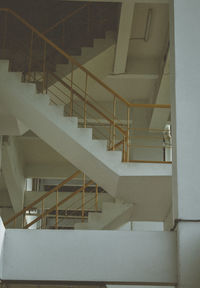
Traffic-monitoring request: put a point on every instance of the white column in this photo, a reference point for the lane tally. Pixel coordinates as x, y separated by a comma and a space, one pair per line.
126, 19
185, 54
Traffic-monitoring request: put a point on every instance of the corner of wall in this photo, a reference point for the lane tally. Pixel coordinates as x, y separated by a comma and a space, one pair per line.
2, 237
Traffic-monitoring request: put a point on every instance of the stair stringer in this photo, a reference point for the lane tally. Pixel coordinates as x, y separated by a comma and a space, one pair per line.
76, 145
48, 122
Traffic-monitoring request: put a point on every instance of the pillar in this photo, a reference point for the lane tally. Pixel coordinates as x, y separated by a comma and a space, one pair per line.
185, 95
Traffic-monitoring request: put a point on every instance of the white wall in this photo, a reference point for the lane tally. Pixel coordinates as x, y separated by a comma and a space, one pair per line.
186, 138
90, 256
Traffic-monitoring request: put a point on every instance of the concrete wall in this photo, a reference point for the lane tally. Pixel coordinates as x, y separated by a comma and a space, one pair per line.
90, 256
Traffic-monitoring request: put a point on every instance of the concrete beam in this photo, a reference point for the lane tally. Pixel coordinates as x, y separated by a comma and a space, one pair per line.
126, 19
12, 167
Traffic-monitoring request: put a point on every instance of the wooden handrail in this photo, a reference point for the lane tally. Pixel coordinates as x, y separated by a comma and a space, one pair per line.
150, 162
162, 106
42, 197
59, 203
88, 103
66, 18
76, 63
66, 55
116, 145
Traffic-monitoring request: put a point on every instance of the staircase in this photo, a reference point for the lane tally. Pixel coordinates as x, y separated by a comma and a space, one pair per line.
58, 210
113, 216
110, 169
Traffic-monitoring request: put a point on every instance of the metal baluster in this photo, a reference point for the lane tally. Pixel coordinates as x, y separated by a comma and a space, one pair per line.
71, 95
42, 220
128, 134
96, 198
56, 210
83, 198
44, 67
85, 102
114, 130
5, 29
30, 57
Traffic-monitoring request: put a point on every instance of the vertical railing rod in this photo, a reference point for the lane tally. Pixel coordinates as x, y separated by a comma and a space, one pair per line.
110, 137
56, 210
128, 134
42, 220
114, 119
83, 198
30, 57
44, 68
88, 28
63, 35
85, 101
124, 149
96, 198
5, 30
23, 220
71, 94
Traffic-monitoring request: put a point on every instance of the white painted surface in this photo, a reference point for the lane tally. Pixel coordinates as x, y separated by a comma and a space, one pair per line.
95, 255
187, 102
76, 144
125, 25
9, 125
186, 136
188, 251
2, 236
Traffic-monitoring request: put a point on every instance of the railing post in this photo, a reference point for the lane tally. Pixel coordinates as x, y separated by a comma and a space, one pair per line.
124, 149
85, 102
56, 210
5, 30
96, 198
63, 35
42, 220
30, 57
44, 88
71, 94
114, 130
110, 137
23, 220
128, 134
83, 199
47, 81
88, 28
